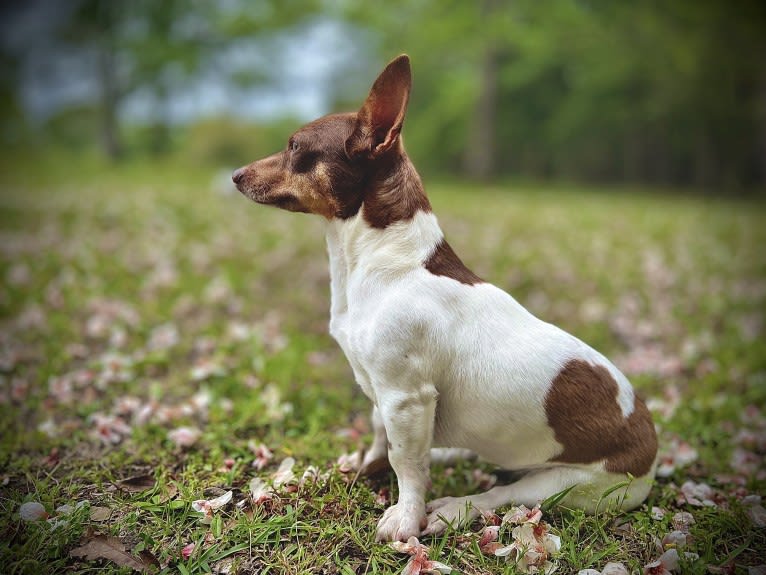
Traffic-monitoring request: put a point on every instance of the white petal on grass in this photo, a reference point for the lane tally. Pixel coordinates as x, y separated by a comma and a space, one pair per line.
521, 514
260, 491
32, 511
683, 520
551, 542
757, 515
284, 474
436, 567
698, 494
410, 547
184, 436
677, 539
615, 568
210, 506
349, 462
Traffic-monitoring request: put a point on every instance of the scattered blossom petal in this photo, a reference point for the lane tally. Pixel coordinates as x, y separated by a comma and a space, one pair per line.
32, 511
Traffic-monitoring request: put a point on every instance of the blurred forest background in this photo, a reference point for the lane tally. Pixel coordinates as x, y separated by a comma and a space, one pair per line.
652, 92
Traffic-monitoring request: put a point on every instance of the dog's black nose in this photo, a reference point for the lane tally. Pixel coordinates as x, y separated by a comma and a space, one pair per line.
237, 176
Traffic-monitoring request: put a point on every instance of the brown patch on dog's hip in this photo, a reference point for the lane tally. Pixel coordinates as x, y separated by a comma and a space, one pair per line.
583, 411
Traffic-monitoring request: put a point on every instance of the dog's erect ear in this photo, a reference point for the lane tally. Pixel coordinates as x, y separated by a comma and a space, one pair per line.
380, 119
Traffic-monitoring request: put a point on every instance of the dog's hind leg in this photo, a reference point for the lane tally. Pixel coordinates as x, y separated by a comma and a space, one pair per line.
589, 487
448, 455
375, 459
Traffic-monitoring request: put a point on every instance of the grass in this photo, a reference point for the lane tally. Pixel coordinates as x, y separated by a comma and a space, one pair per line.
141, 296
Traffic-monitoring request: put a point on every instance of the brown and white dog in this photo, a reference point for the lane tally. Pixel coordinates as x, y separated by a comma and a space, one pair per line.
448, 359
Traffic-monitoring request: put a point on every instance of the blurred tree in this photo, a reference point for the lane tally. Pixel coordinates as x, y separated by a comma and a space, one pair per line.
94, 26
667, 93
153, 48
12, 124
653, 91
166, 43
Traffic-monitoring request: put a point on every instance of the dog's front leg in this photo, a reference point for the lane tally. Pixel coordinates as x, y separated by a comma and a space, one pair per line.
408, 416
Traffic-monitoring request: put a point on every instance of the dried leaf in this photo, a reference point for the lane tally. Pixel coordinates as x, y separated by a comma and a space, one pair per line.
113, 549
170, 492
100, 513
137, 483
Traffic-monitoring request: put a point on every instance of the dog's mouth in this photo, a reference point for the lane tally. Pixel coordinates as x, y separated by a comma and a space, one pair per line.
264, 196
259, 194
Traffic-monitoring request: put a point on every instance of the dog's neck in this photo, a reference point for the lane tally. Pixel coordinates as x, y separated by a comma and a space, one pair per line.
393, 234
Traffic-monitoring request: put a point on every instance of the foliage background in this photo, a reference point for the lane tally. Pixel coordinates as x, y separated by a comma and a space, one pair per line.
655, 92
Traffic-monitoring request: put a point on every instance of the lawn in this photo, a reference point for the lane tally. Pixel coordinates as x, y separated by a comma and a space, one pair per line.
164, 342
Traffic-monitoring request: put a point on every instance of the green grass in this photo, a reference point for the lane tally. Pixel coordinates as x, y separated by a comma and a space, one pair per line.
94, 260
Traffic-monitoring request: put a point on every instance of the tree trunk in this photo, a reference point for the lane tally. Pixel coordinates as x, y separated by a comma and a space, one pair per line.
705, 163
159, 143
480, 156
110, 137
761, 146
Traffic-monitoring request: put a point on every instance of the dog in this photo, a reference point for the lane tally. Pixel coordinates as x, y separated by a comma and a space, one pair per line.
448, 359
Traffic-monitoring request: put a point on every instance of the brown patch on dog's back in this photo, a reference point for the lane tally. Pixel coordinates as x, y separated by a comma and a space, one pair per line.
445, 262
582, 409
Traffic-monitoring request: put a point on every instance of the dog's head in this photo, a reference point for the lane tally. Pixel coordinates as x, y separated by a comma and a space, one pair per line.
324, 168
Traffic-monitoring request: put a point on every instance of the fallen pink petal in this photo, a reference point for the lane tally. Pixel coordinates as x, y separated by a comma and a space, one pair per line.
682, 521
205, 369
677, 539
488, 542
184, 436
757, 515
109, 429
260, 491
349, 462
667, 563
262, 454
532, 544
746, 462
520, 515
419, 561
698, 494
676, 454
284, 474
411, 546
187, 550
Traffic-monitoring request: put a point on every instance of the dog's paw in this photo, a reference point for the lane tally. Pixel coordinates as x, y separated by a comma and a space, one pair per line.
448, 511
350, 462
367, 464
400, 522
